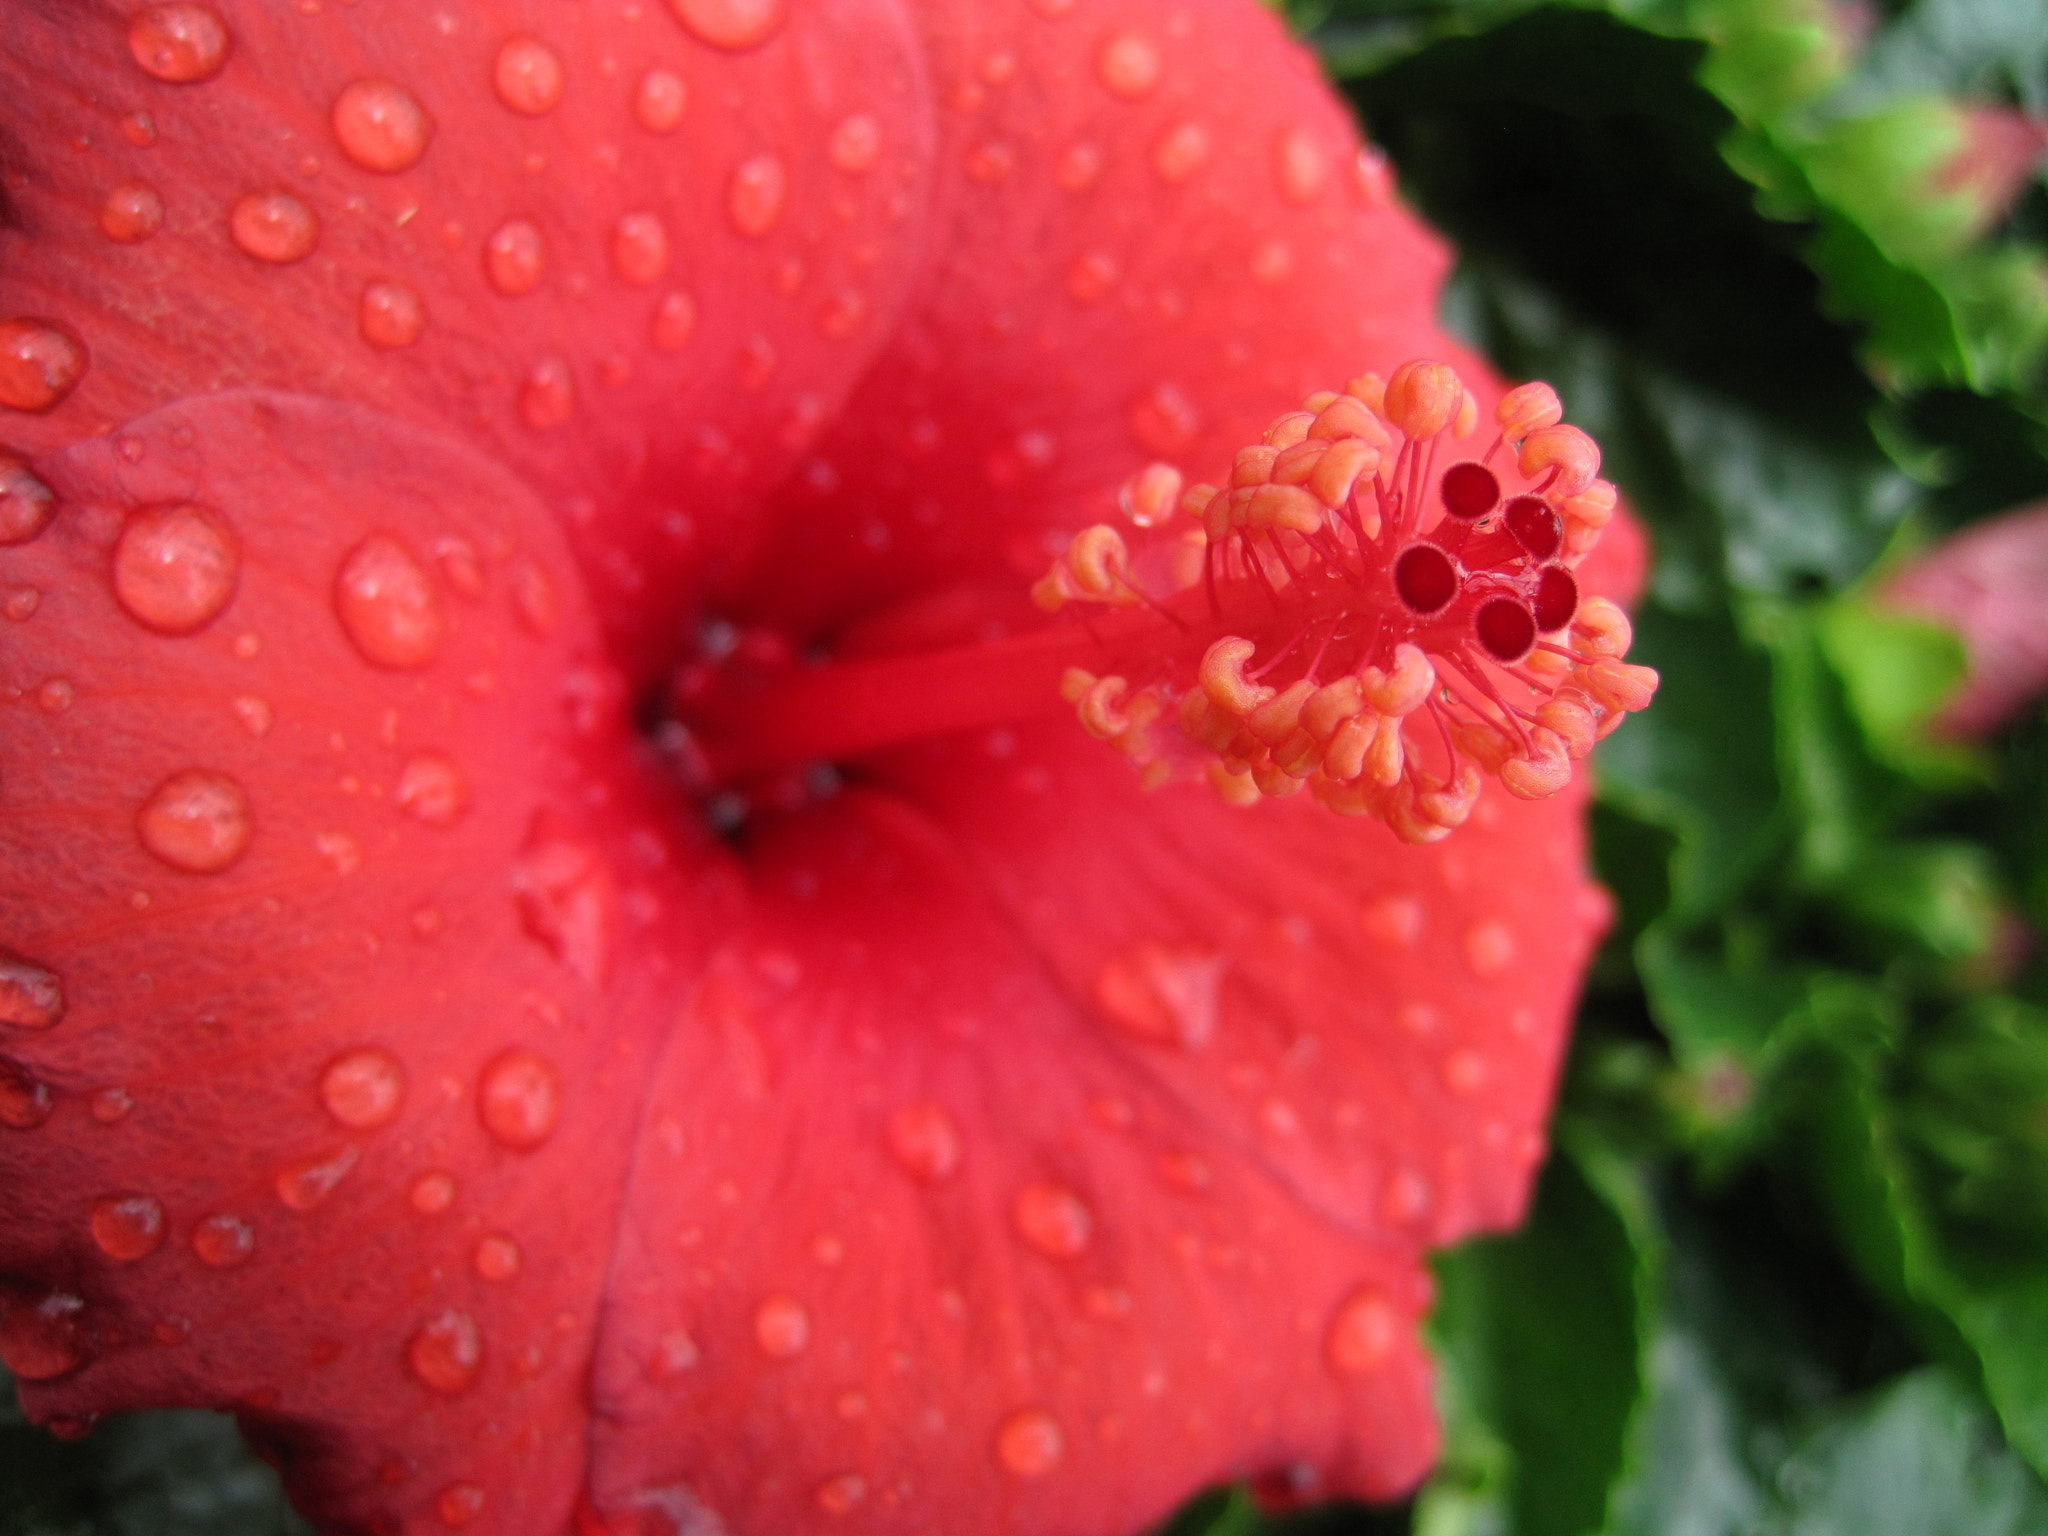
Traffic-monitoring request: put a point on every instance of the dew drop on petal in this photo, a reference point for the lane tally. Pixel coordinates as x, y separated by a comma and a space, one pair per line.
754, 196
843, 1494
363, 1090
132, 213
198, 821
1030, 1443
41, 1343
1129, 66
175, 567
1362, 1334
254, 713
178, 44
519, 1099
1053, 1219
527, 76
1163, 995
1464, 1071
782, 1327
547, 397
390, 316
432, 1193
730, 24
496, 1257
388, 605
25, 1103
223, 1241
856, 144
1489, 949
432, 789
127, 1227
381, 126
534, 602
26, 504
640, 251
110, 1106
1301, 166
40, 363
55, 696
305, 1184
515, 256
30, 996
274, 226
1181, 152
925, 1142
446, 1353
675, 320
674, 1353
459, 1504
1395, 921
661, 101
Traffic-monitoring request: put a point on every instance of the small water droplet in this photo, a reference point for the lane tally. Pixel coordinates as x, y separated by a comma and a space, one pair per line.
782, 1327
26, 504
388, 605
674, 1353
25, 1103
1053, 1219
1129, 66
140, 129
363, 1090
447, 1352
127, 1227
381, 126
178, 44
1489, 949
110, 1106
1464, 1071
132, 213
675, 319
175, 567
534, 602
519, 1099
1181, 152
30, 997
515, 257
856, 144
432, 789
55, 696
21, 603
254, 713
547, 397
640, 253
459, 1504
1091, 276
1163, 995
925, 1141
661, 101
1362, 1334
274, 226
527, 76
496, 1258
1078, 168
223, 1241
41, 1342
1395, 921
198, 821
40, 363
1301, 166
306, 1183
390, 316
730, 24
1030, 1443
842, 1495
432, 1193
1272, 263
755, 195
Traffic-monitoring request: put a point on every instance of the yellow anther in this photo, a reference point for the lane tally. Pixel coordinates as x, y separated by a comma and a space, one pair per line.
1575, 457
1148, 497
1371, 389
1406, 819
1618, 685
1284, 506
1526, 408
1298, 755
1401, 691
1232, 788
1074, 682
1423, 397
1156, 774
1290, 429
1594, 506
1253, 464
1054, 590
1542, 772
1601, 628
1296, 464
1467, 421
1347, 416
1570, 714
1223, 676
1338, 470
1346, 799
1196, 498
1345, 759
1205, 722
1274, 781
1448, 805
1100, 716
1485, 742
1546, 664
1185, 557
1330, 706
1276, 719
1386, 756
1101, 564
1319, 401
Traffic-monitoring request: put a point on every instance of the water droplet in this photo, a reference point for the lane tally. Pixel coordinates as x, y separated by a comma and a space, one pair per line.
198, 821
754, 197
21, 603
55, 696
432, 789
388, 605
254, 713
459, 1504
730, 24
223, 1241
274, 227
132, 213
534, 602
1300, 165
1129, 66
640, 251
1078, 167
381, 126
527, 76
432, 1193
856, 144
1030, 1443
1489, 949
675, 318
446, 1353
390, 316
140, 129
304, 1184
26, 504
1395, 921
175, 567
127, 1227
40, 363
674, 1353
1181, 152
519, 1099
41, 1343
661, 101
515, 257
30, 997
179, 44
1163, 995
1362, 1334
1053, 1219
25, 1103
547, 398
496, 1257
1091, 276
925, 1141
565, 895
991, 163
782, 1327
363, 1090
1272, 263
110, 1106
842, 1495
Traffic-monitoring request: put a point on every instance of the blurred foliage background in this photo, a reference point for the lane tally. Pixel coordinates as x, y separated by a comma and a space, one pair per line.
1788, 1270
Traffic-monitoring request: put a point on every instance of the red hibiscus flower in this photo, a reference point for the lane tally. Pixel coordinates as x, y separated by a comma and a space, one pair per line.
465, 460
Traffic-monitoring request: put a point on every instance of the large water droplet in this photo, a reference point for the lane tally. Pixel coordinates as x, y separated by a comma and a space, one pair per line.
127, 1227
856, 144
40, 363
675, 320
180, 44
519, 1099
274, 226
175, 567
782, 1327
640, 251
1362, 1334
1128, 65
433, 790
925, 1141
223, 1241
459, 1504
1030, 1443
1301, 165
30, 996
25, 1103
447, 1352
515, 257
132, 213
26, 504
381, 126
198, 821
755, 195
390, 316
731, 24
42, 1342
388, 605
1053, 1219
56, 695
363, 1090
306, 1183
661, 101
1181, 152
1163, 995
527, 76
